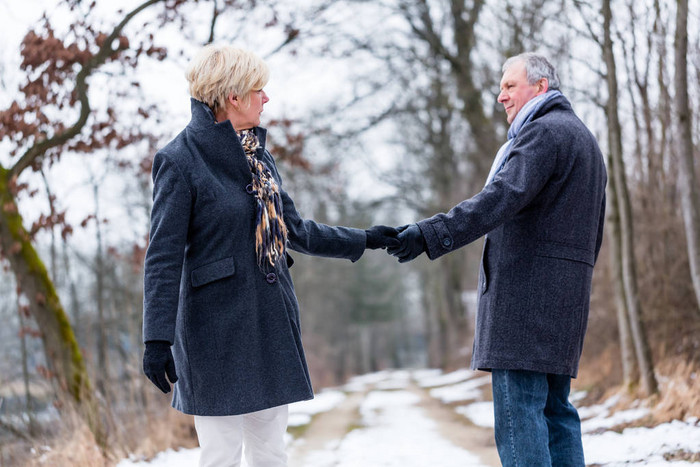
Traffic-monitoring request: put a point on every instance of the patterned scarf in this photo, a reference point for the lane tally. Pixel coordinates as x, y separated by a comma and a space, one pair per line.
270, 231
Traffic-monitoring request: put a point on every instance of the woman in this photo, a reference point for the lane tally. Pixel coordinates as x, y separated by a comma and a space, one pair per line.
217, 285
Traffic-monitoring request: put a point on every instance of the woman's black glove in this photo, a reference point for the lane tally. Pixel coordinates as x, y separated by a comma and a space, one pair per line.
157, 363
381, 236
412, 243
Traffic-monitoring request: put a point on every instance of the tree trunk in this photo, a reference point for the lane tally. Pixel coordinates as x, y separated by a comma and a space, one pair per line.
629, 273
433, 338
458, 332
481, 125
685, 149
630, 371
62, 352
102, 372
29, 403
52, 214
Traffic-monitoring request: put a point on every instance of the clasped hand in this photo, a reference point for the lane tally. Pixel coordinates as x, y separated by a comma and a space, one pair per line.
405, 242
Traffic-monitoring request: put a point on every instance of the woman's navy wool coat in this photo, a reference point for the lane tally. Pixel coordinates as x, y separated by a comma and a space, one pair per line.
234, 328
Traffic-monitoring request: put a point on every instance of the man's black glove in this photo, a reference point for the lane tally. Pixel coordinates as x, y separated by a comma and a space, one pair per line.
412, 243
158, 362
381, 236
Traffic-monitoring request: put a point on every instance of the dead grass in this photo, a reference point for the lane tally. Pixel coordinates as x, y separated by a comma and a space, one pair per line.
75, 447
679, 388
599, 375
72, 445
172, 430
679, 398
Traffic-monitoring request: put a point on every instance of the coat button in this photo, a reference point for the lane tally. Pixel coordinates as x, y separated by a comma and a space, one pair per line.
447, 242
249, 189
271, 278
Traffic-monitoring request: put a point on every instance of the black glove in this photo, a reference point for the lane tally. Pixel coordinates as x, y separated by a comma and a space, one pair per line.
412, 243
381, 236
158, 362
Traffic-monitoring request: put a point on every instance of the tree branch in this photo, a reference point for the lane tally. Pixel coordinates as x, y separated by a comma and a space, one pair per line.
105, 51
214, 17
427, 32
579, 4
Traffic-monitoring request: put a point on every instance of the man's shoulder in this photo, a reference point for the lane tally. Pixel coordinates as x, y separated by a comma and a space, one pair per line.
560, 123
558, 116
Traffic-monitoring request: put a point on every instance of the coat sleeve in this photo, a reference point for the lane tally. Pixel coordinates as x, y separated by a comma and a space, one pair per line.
529, 166
170, 215
313, 238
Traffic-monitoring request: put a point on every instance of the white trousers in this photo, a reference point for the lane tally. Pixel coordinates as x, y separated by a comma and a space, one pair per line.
259, 434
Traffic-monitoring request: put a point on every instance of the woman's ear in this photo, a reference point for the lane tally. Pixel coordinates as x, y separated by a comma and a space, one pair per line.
233, 101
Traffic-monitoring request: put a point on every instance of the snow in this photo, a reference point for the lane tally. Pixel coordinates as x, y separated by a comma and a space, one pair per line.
623, 416
394, 430
397, 434
479, 413
643, 446
468, 390
600, 409
438, 379
300, 413
397, 380
361, 383
169, 458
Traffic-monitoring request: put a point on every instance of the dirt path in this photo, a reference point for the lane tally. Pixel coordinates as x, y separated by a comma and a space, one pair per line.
328, 429
459, 430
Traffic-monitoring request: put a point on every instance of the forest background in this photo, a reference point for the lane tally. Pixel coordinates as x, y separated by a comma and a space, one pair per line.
381, 112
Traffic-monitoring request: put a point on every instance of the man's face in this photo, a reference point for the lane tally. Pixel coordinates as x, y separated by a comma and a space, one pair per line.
516, 91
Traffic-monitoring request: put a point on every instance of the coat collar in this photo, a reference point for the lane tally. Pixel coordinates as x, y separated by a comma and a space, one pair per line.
203, 119
558, 103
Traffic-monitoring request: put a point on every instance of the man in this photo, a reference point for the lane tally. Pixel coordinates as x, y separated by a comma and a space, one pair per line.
543, 208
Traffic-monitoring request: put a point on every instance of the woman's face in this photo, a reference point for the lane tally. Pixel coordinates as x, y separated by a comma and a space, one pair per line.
248, 117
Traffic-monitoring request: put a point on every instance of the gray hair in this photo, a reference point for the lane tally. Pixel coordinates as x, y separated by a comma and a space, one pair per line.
536, 67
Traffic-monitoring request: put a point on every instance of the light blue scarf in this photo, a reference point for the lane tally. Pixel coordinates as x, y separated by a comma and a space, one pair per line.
524, 117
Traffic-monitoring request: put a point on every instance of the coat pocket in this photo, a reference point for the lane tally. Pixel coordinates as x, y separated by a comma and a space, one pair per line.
212, 272
564, 251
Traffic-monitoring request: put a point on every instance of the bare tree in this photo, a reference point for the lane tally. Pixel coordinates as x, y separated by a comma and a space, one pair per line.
630, 369
690, 203
27, 125
622, 198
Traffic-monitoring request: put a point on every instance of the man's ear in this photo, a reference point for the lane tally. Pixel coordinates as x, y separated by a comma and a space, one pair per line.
542, 86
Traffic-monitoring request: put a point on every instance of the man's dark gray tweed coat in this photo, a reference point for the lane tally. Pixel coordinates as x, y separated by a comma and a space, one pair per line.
235, 330
543, 213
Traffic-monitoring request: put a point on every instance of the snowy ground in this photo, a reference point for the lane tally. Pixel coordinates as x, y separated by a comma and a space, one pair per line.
396, 432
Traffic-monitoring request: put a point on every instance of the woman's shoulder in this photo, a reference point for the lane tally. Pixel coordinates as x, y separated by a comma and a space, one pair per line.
176, 150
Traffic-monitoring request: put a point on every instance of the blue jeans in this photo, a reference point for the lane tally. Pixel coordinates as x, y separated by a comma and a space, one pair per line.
536, 425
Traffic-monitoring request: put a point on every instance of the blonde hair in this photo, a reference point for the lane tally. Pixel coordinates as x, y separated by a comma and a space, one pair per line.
219, 70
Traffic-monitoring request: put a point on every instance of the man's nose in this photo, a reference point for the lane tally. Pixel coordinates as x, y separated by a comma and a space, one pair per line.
501, 97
